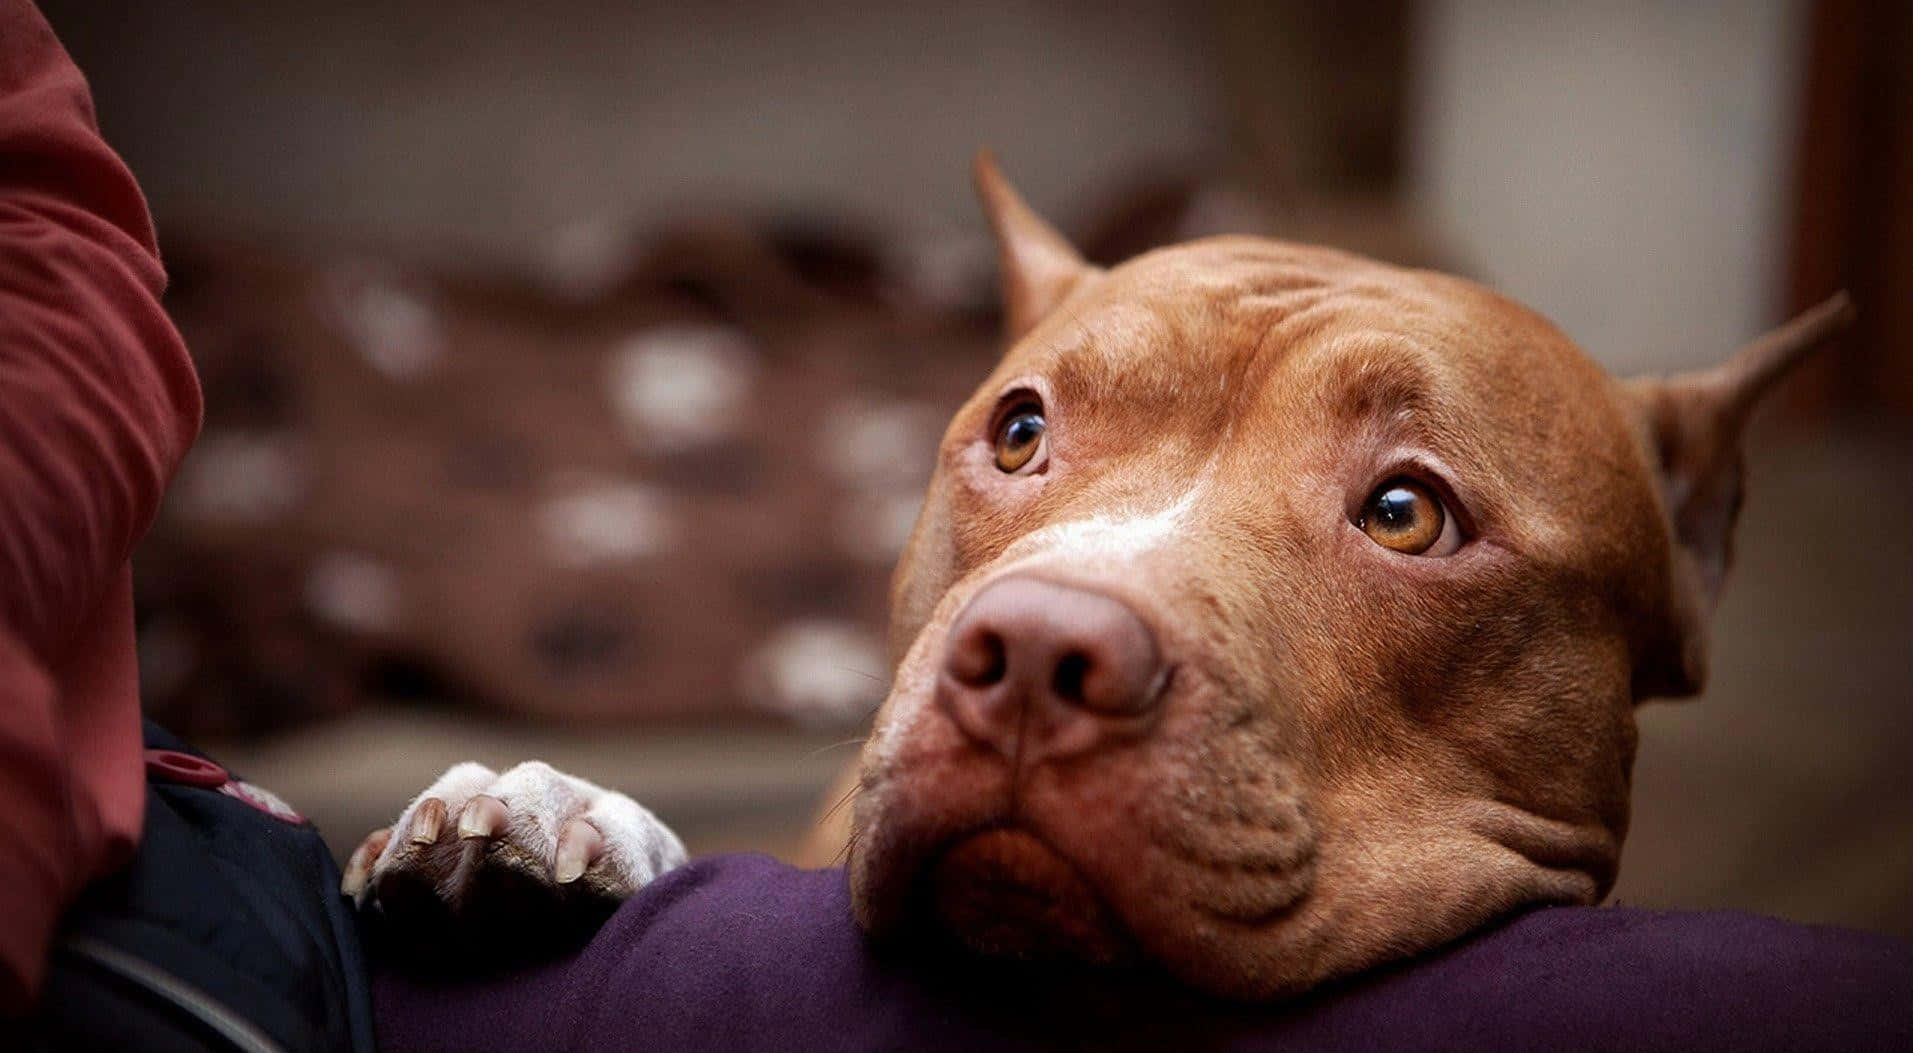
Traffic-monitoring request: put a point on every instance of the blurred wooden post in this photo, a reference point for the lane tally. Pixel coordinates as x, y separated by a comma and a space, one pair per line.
1316, 94
1853, 203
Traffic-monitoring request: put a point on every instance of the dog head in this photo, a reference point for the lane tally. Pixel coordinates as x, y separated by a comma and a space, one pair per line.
1274, 613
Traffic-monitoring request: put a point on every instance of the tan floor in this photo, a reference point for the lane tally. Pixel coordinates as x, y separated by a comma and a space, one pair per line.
1786, 789
721, 789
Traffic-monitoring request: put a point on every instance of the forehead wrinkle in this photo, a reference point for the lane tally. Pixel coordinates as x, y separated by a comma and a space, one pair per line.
1162, 301
1130, 354
1303, 319
1385, 384
1370, 383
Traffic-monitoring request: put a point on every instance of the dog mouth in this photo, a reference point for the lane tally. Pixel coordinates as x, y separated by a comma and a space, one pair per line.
1004, 892
1181, 851
1128, 878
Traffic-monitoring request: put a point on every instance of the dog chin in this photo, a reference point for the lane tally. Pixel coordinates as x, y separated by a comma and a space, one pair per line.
1005, 893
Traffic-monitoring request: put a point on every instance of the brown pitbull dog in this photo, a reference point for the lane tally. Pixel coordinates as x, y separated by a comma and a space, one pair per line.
1274, 613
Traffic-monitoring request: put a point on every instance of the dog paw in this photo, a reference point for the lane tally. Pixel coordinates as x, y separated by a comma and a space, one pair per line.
484, 868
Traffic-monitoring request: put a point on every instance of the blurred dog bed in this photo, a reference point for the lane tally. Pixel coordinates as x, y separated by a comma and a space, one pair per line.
563, 502
650, 476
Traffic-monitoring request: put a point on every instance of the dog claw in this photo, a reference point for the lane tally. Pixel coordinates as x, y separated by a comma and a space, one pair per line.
358, 869
579, 845
482, 818
428, 822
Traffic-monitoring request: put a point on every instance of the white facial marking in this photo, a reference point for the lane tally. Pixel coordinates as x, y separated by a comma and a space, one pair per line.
1103, 538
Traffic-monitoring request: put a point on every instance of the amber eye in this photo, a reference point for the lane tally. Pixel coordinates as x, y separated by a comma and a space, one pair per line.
1019, 436
1405, 516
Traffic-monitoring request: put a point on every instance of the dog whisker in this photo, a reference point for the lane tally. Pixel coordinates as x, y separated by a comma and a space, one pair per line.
841, 801
834, 746
872, 677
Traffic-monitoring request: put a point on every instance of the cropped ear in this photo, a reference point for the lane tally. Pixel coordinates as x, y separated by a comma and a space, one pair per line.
1696, 421
1038, 266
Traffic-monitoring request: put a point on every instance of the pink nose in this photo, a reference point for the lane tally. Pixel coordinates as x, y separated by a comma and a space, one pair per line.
1038, 670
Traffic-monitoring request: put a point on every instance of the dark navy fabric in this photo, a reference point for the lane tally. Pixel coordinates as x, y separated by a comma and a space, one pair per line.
744, 953
241, 906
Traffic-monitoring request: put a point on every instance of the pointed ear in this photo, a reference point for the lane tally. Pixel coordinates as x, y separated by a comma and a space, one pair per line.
1038, 267
1695, 421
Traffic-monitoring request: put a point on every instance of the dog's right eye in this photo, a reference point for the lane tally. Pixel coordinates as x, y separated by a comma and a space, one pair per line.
1019, 437
1406, 516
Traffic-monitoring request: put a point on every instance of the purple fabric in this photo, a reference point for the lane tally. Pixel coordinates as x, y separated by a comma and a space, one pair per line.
744, 953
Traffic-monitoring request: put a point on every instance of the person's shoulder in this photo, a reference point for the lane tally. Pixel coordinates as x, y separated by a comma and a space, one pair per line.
752, 924
748, 890
1615, 977
1716, 943
745, 952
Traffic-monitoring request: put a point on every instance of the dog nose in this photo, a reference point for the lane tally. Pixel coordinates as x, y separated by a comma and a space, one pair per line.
1039, 670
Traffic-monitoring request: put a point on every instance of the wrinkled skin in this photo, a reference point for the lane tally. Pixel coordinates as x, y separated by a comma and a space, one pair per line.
1360, 754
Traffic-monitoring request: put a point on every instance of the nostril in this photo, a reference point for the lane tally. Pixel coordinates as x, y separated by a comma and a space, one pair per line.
1071, 672
1023, 641
980, 660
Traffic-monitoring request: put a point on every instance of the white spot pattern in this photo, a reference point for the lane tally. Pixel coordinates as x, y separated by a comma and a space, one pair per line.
681, 385
354, 591
818, 672
238, 479
605, 521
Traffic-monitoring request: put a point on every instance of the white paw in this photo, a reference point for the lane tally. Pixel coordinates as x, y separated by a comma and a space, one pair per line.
499, 865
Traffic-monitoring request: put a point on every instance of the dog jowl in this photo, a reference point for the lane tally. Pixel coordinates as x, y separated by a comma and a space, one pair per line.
1273, 613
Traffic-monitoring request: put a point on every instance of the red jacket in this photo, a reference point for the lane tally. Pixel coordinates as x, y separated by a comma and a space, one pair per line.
98, 402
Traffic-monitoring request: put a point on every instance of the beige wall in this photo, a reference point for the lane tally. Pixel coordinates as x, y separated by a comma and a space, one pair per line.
1622, 166
483, 126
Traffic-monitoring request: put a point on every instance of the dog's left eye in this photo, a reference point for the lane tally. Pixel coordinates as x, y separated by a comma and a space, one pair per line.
1019, 436
1406, 516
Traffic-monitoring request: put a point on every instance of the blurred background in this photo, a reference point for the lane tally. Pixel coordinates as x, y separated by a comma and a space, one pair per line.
573, 368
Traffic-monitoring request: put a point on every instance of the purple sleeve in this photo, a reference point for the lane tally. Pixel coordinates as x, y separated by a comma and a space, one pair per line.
743, 953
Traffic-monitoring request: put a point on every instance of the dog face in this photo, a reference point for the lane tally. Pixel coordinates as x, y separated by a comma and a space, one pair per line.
1274, 613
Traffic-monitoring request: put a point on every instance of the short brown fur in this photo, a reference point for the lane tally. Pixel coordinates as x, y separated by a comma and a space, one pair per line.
1362, 754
